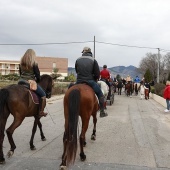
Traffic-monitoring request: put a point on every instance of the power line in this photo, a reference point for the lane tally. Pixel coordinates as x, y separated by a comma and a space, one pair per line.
125, 45
164, 50
49, 43
81, 42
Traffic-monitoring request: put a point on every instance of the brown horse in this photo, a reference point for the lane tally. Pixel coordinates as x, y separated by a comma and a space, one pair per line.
128, 89
146, 94
16, 99
79, 100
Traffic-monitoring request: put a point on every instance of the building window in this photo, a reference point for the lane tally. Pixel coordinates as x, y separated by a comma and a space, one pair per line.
16, 66
7, 66
54, 65
3, 66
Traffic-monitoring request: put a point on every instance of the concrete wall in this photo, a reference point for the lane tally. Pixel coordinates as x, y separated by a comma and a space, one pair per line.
159, 99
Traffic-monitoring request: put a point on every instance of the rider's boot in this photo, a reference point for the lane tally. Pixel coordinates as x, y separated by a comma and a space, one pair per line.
101, 104
42, 106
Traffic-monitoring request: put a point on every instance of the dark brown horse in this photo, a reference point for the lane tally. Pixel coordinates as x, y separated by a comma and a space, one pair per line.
128, 89
79, 100
16, 99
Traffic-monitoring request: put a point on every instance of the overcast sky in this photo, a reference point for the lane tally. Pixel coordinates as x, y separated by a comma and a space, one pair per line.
141, 23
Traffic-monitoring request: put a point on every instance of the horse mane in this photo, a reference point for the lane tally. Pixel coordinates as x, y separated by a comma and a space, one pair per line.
44, 76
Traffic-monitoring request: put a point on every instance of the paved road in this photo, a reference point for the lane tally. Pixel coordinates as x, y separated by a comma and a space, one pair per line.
134, 136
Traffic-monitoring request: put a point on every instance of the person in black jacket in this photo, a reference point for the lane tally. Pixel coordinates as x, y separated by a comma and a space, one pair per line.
147, 86
87, 70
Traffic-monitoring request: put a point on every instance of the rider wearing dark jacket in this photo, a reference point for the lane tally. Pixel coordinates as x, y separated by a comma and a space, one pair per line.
87, 70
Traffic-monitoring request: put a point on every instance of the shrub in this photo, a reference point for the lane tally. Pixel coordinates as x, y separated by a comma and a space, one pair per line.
59, 88
159, 89
152, 89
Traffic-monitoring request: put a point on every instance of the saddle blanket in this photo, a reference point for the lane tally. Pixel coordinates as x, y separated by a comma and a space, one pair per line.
34, 97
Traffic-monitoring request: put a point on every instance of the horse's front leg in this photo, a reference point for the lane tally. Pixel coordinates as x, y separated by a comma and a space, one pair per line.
10, 132
41, 132
34, 129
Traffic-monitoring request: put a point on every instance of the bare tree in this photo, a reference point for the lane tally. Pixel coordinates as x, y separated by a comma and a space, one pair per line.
149, 62
167, 61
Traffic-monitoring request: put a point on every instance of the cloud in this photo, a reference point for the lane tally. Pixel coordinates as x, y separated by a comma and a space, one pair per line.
143, 23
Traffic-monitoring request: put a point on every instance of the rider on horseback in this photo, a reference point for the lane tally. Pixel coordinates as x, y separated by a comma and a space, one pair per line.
87, 70
29, 72
105, 76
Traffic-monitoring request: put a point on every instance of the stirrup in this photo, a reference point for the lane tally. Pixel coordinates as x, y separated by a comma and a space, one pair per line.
43, 114
103, 114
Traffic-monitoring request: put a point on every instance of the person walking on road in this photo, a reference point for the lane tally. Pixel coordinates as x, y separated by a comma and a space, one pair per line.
167, 95
142, 90
87, 70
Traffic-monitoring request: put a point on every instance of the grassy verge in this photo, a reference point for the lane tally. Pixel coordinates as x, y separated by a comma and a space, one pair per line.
59, 88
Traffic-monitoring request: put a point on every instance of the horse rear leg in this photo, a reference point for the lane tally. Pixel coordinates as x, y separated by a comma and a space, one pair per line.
85, 124
3, 120
93, 136
64, 156
10, 132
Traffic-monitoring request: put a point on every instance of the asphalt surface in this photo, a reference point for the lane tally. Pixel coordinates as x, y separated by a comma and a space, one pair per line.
134, 136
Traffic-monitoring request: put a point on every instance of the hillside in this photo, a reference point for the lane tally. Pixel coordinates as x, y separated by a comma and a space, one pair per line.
121, 70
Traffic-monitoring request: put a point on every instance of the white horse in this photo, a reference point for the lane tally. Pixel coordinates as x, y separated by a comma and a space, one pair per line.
104, 88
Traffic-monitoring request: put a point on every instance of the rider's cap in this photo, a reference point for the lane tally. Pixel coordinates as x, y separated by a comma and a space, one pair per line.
86, 49
104, 66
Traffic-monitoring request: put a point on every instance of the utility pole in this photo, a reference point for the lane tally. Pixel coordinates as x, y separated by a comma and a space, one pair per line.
158, 65
94, 48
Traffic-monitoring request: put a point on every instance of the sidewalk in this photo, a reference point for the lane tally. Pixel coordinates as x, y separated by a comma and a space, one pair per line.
55, 97
134, 136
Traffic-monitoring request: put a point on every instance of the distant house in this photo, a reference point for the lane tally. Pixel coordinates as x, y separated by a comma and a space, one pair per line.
46, 66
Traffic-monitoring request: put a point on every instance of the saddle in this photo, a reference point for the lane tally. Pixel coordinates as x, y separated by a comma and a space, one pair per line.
102, 79
34, 96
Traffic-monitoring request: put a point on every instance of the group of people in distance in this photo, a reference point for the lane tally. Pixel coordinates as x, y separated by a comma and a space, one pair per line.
87, 70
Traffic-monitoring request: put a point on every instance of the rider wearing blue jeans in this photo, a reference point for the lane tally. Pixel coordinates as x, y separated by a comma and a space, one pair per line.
29, 70
87, 70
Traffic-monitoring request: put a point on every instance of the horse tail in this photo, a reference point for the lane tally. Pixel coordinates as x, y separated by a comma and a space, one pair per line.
71, 133
4, 94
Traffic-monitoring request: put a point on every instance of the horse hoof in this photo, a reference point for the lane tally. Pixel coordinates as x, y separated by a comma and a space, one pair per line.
2, 162
82, 156
93, 137
62, 167
84, 144
33, 148
43, 139
9, 154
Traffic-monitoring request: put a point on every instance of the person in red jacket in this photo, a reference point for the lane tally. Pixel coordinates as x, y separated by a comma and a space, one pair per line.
105, 76
167, 95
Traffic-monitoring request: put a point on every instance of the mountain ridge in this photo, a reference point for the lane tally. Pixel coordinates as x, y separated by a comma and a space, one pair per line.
123, 71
